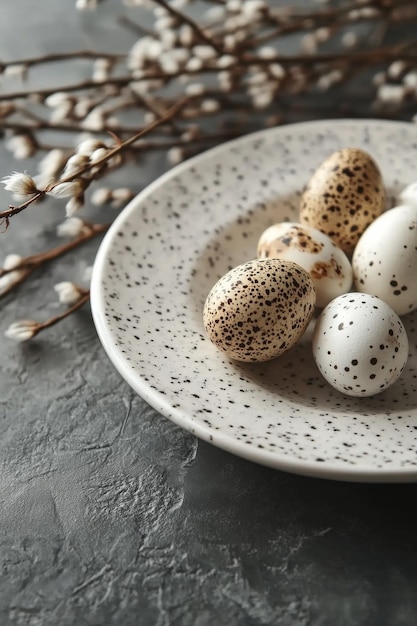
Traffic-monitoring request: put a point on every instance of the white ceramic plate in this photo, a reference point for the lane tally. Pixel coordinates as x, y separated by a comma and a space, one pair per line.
171, 244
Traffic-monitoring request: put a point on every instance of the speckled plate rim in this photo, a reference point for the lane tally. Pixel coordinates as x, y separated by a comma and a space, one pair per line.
155, 399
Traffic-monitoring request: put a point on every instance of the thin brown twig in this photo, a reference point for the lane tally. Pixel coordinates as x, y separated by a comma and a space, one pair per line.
14, 210
63, 56
30, 263
36, 260
185, 19
84, 298
401, 52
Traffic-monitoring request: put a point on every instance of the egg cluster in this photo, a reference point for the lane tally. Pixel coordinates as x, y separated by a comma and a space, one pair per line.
349, 259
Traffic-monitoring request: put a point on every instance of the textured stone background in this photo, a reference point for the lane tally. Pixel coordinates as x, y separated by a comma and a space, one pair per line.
111, 515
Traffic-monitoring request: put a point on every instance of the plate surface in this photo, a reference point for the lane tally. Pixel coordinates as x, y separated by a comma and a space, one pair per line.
171, 244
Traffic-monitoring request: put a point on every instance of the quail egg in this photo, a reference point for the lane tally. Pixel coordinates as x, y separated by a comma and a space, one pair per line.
345, 194
259, 309
385, 259
360, 344
328, 265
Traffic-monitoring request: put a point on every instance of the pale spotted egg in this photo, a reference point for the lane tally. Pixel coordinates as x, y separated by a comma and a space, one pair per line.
327, 264
259, 309
385, 259
360, 344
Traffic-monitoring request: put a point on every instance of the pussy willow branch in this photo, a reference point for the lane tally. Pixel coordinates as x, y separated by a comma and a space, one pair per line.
222, 101
36, 260
185, 19
61, 56
362, 57
112, 152
30, 263
84, 298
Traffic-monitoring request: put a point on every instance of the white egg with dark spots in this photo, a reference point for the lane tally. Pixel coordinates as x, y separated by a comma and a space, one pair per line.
360, 344
327, 264
385, 259
259, 309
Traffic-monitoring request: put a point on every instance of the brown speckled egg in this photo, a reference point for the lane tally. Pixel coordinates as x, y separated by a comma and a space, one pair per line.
345, 194
259, 309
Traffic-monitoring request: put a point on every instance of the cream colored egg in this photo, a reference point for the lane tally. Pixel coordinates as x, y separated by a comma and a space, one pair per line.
259, 309
345, 194
385, 259
327, 264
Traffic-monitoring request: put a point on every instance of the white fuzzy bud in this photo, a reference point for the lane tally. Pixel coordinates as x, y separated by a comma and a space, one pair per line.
82, 108
67, 190
57, 99
164, 23
49, 168
277, 70
149, 117
98, 154
379, 79
169, 64
226, 60
194, 64
68, 293
87, 274
186, 35
94, 121
410, 79
391, 94
349, 39
267, 52
309, 43
194, 89
252, 7
234, 6
19, 183
101, 196
72, 227
175, 155
210, 106
396, 69
74, 163
88, 146
323, 34
101, 70
168, 38
120, 196
8, 280
181, 55
17, 70
85, 5
262, 99
52, 162
225, 80
154, 49
230, 42
160, 11
74, 205
22, 330
204, 52
22, 146
328, 80
190, 134
12, 261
